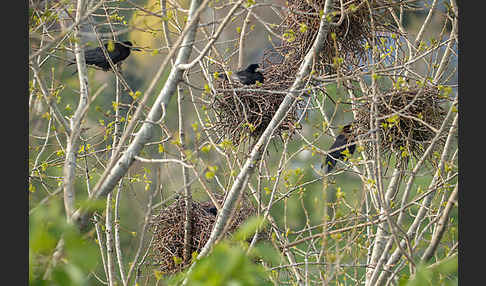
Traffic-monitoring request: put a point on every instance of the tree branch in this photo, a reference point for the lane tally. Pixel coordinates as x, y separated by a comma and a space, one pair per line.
441, 227
249, 166
75, 122
118, 170
423, 208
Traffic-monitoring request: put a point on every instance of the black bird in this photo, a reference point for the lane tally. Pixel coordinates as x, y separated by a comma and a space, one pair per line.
341, 140
95, 56
248, 76
213, 211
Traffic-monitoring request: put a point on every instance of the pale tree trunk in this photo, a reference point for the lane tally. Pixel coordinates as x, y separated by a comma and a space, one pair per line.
255, 155
144, 135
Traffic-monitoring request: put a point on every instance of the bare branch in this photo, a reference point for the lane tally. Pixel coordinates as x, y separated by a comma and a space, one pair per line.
111, 176
75, 121
249, 166
441, 226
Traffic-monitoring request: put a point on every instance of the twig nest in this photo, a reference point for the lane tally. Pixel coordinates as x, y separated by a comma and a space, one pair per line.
348, 36
409, 118
244, 111
247, 110
168, 229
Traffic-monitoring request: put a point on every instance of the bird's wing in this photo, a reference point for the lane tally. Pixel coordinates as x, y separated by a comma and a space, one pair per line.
89, 55
244, 77
352, 148
336, 154
340, 141
115, 55
259, 77
94, 56
238, 76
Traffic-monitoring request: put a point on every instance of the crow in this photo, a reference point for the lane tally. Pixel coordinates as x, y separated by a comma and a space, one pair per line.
95, 56
341, 140
248, 76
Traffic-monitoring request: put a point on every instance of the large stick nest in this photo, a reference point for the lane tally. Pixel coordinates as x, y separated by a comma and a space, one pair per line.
407, 118
247, 110
168, 229
345, 45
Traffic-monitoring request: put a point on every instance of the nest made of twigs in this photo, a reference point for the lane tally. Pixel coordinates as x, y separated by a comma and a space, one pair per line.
168, 229
409, 118
346, 40
244, 111
247, 110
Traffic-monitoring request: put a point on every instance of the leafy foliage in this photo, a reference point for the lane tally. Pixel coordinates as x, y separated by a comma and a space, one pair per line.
79, 255
434, 274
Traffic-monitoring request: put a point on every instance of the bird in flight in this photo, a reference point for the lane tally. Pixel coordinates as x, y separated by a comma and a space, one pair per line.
96, 57
248, 76
340, 153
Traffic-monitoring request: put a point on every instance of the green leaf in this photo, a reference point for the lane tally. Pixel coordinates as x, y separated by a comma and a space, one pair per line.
111, 46
209, 175
206, 148
250, 3
431, 275
227, 265
161, 148
302, 27
249, 228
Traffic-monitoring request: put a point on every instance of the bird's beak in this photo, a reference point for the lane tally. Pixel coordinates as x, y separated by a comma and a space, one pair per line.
136, 49
259, 70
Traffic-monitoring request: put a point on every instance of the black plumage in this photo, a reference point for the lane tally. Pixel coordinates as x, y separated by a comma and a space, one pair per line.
213, 211
96, 57
248, 76
341, 140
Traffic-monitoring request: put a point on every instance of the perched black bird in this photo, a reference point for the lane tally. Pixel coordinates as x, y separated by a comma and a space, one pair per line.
95, 56
341, 140
248, 76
